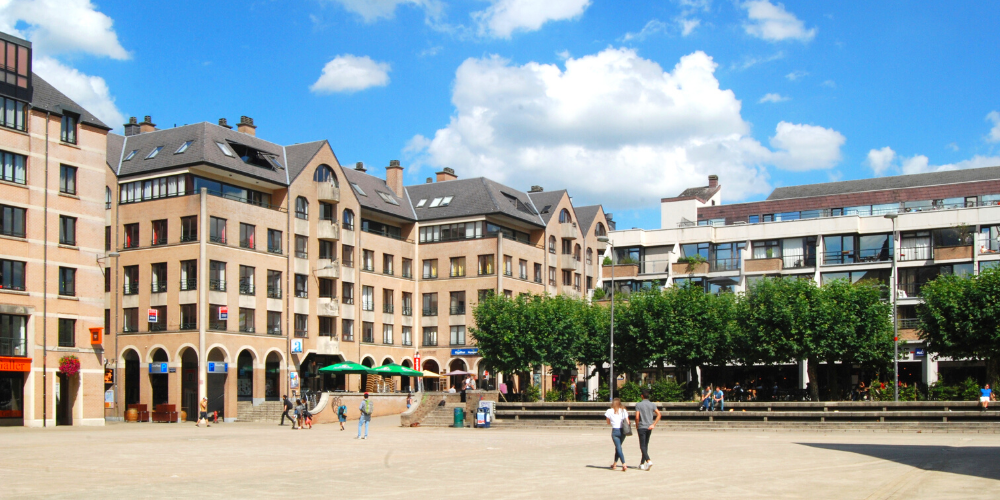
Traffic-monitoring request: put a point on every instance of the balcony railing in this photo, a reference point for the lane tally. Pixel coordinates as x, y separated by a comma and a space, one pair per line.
301, 255
862, 256
246, 288
347, 300
429, 342
274, 330
217, 285
157, 327
908, 323
159, 241
246, 329
920, 251
158, 287
368, 338
12, 347
130, 289
274, 250
909, 290
730, 264
430, 311
986, 245
457, 310
189, 326
217, 325
274, 292
215, 238
387, 308
407, 311
185, 238
797, 261
189, 284
247, 244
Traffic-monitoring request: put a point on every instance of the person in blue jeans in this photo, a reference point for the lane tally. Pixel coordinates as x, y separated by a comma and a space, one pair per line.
616, 416
706, 399
719, 399
366, 416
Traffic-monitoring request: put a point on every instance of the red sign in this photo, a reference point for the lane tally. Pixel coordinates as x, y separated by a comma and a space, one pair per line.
15, 364
416, 362
96, 336
154, 315
223, 313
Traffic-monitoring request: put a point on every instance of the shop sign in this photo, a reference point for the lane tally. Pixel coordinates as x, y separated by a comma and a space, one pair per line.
214, 367
469, 351
293, 380
918, 351
296, 346
12, 364
154, 315
416, 362
155, 368
109, 376
223, 313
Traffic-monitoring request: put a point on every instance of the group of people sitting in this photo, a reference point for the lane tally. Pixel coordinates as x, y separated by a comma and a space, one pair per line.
712, 399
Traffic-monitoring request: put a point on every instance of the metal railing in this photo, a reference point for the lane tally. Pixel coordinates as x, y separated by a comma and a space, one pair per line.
217, 285
908, 323
157, 327
189, 326
730, 264
862, 256
274, 330
274, 292
428, 311
217, 325
130, 289
986, 245
387, 308
274, 250
915, 252
246, 288
797, 261
217, 239
368, 338
158, 287
247, 244
247, 201
185, 238
909, 290
159, 241
429, 342
302, 334
12, 347
347, 300
246, 329
407, 311
457, 310
189, 284
301, 255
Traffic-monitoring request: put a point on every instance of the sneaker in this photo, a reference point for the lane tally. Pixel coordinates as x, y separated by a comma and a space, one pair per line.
642, 467
366, 437
649, 465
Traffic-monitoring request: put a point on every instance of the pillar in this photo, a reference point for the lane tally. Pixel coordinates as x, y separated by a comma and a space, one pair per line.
229, 401
929, 369
803, 373
174, 381
259, 391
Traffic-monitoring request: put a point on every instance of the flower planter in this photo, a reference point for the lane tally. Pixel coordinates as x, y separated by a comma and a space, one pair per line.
953, 253
685, 268
621, 271
763, 265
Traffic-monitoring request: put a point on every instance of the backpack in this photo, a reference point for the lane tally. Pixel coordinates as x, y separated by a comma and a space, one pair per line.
341, 410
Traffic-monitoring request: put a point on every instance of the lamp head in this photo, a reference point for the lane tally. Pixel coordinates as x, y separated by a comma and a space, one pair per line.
890, 216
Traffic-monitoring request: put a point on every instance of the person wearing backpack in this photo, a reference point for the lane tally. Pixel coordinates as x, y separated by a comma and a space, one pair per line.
342, 415
366, 416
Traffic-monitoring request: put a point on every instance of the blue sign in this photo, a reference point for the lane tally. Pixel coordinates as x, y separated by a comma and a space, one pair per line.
471, 351
296, 346
918, 351
214, 367
158, 368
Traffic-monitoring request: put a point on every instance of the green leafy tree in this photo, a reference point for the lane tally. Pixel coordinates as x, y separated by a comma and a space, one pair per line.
504, 334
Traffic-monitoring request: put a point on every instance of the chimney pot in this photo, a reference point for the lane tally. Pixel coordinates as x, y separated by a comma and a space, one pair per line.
429, 180
224, 123
147, 125
713, 180
359, 166
246, 126
446, 174
132, 120
536, 189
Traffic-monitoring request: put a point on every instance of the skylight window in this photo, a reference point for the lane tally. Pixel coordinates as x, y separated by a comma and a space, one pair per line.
387, 198
183, 148
446, 201
422, 202
518, 204
435, 202
130, 155
225, 149
358, 189
153, 153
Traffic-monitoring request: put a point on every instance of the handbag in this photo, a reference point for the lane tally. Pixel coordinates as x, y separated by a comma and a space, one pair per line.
626, 426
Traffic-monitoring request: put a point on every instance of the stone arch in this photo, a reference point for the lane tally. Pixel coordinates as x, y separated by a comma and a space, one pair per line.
564, 216
186, 345
277, 352
245, 364
256, 357
159, 382
221, 348
216, 382
324, 173
431, 365
388, 361
155, 348
272, 374
131, 361
187, 355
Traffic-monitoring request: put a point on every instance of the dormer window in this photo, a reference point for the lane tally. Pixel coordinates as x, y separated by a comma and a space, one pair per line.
152, 154
183, 147
358, 189
130, 155
225, 149
67, 131
387, 198
435, 202
422, 202
255, 156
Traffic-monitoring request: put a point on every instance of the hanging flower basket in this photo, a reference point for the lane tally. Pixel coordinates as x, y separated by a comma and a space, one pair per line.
69, 365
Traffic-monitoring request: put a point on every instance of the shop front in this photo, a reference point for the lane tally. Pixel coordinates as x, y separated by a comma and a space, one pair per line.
13, 371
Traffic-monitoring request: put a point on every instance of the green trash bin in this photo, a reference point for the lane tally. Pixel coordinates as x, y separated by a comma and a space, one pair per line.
459, 417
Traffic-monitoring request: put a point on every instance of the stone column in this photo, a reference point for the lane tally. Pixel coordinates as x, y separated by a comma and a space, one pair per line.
803, 373
928, 369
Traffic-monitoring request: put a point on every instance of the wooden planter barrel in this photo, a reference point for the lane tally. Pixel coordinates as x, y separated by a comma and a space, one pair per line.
132, 415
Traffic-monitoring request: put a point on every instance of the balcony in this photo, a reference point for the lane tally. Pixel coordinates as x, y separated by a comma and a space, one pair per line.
723, 265
158, 287
130, 289
916, 251
689, 268
327, 230
430, 311
624, 271
763, 265
12, 347
326, 191
908, 324
274, 292
567, 230
189, 284
457, 310
963, 252
862, 256
217, 285
246, 287
566, 261
328, 268
327, 306
909, 290
986, 245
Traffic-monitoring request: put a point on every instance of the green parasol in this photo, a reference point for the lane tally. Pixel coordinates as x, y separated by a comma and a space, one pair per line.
346, 367
393, 369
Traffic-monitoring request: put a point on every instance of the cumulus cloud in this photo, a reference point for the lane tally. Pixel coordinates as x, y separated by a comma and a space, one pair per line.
652, 27
504, 17
350, 73
880, 160
994, 135
796, 75
773, 23
772, 97
920, 164
609, 125
62, 26
373, 10
88, 91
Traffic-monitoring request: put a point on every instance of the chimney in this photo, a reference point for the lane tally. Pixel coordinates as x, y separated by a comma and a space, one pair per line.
132, 127
224, 123
536, 189
246, 126
359, 166
447, 174
394, 177
429, 180
147, 125
713, 181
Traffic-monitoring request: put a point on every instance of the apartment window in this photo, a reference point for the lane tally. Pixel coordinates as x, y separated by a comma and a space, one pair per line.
508, 294
430, 269
302, 325
67, 281
458, 335
107, 279
13, 113
12, 168
576, 252
131, 280
326, 212
301, 246
347, 330
246, 320
189, 228
189, 316
522, 267
368, 332
348, 220
486, 265
67, 179
107, 198
552, 276
457, 267
406, 335
484, 294
590, 257
217, 230
13, 331
247, 280
301, 208
430, 304
430, 336
327, 288
590, 283
508, 265
248, 234
130, 319
567, 278
67, 332
347, 255
158, 277
131, 235
567, 246
327, 250
159, 232
367, 298
273, 323
107, 238
217, 276
387, 334
215, 322
457, 303
368, 260
387, 264
274, 241
387, 302
12, 223
347, 293
576, 281
327, 327
189, 275
273, 284
407, 304
11, 275
301, 286
161, 320
552, 244
67, 230
67, 129
407, 268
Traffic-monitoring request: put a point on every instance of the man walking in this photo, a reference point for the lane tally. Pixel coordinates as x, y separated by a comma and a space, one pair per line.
366, 416
288, 407
645, 410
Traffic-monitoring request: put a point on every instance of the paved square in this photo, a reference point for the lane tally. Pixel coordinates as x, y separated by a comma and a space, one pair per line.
268, 461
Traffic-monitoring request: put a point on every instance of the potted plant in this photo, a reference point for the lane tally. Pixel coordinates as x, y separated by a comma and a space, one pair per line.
69, 365
692, 262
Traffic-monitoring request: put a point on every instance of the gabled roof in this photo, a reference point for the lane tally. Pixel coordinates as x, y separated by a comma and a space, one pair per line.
372, 200
47, 98
299, 155
886, 183
470, 197
114, 150
547, 199
203, 150
702, 194
585, 216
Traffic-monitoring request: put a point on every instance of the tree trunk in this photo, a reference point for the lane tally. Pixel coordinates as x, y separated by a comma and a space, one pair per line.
993, 372
813, 380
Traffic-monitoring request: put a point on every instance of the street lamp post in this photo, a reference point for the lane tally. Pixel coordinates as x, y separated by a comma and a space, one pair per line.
895, 319
611, 359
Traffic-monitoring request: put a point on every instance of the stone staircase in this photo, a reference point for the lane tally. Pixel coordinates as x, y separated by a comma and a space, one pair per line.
441, 416
268, 411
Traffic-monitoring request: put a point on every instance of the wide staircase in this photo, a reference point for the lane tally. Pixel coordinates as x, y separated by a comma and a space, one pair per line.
441, 416
268, 411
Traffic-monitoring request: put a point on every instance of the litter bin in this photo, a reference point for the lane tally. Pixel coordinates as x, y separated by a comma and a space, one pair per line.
459, 417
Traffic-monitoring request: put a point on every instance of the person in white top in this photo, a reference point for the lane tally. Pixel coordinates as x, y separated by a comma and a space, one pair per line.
616, 416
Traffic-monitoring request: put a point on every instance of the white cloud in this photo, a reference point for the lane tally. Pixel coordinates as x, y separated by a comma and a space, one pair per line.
62, 26
652, 27
751, 61
796, 75
610, 125
772, 97
829, 83
806, 147
349, 73
880, 160
995, 131
373, 10
773, 23
952, 146
688, 25
88, 91
920, 164
504, 17
430, 51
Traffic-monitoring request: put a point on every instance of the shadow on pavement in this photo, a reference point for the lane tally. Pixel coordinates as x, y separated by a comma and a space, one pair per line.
977, 461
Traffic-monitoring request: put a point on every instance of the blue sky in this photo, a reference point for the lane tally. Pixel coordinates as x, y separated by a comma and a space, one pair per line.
621, 103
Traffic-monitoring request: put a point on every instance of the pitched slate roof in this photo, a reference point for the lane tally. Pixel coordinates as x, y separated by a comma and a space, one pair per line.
203, 150
114, 150
371, 200
585, 216
47, 98
547, 198
474, 196
887, 183
703, 193
299, 155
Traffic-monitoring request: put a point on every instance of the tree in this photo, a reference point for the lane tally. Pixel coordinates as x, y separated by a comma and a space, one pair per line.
503, 334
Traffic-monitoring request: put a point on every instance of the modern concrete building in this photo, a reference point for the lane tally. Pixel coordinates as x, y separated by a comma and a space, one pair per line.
930, 224
51, 172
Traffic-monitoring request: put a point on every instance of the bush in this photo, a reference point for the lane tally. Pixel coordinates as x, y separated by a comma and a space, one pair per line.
607, 261
602, 393
554, 395
967, 390
532, 394
630, 392
667, 391
598, 293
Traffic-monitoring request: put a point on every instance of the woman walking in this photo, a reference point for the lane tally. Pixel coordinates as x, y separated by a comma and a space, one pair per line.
617, 417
